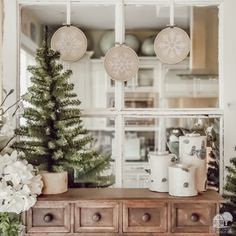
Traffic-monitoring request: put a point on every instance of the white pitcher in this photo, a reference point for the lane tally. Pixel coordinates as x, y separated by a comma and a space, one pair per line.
159, 162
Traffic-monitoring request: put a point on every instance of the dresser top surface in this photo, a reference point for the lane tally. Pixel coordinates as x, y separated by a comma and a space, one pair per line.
127, 194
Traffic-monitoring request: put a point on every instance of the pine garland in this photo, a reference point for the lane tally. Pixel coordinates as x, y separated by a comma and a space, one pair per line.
53, 137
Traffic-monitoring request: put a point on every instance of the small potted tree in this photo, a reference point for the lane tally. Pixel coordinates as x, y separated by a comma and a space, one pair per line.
52, 137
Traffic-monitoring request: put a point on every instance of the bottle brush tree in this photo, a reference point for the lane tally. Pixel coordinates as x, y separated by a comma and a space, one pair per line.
230, 187
53, 137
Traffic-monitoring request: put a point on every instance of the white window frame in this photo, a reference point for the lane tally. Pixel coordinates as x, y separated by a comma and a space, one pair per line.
227, 103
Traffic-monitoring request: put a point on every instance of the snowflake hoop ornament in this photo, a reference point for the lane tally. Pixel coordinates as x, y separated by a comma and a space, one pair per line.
121, 63
70, 41
172, 45
19, 186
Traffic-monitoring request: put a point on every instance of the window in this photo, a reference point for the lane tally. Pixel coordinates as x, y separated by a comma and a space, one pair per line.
130, 119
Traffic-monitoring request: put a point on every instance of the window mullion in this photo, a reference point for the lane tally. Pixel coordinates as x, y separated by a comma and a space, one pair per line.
119, 97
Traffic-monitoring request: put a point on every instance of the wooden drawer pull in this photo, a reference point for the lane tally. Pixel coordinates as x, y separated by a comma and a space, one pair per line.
194, 217
48, 218
96, 217
146, 217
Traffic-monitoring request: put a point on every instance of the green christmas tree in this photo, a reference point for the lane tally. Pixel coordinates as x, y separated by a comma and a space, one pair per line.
230, 205
53, 137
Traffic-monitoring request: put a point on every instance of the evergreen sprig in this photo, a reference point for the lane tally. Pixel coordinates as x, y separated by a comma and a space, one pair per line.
53, 137
10, 224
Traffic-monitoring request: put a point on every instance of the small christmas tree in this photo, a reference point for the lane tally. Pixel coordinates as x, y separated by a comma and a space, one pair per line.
53, 137
230, 186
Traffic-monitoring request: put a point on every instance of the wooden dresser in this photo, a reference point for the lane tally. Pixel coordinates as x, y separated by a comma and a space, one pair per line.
103, 212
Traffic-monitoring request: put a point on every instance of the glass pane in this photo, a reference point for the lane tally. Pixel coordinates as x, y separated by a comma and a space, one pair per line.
103, 138
147, 135
89, 77
193, 82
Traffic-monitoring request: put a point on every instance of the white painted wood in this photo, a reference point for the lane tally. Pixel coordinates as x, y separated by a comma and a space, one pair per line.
136, 2
228, 76
10, 50
200, 112
119, 96
1, 37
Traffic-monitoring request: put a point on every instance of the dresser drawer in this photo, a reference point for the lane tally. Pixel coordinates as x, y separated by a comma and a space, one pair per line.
192, 218
49, 217
96, 216
144, 216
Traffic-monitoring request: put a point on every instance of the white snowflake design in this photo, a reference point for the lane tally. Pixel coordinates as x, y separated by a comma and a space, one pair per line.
122, 64
172, 45
70, 42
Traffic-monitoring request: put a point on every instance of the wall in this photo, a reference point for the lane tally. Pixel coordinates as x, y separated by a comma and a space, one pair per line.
10, 45
1, 35
228, 73
31, 26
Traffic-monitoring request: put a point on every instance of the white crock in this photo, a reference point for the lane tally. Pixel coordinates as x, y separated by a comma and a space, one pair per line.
182, 180
159, 162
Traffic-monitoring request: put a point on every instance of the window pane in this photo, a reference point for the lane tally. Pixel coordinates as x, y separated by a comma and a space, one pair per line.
103, 139
91, 82
192, 83
146, 135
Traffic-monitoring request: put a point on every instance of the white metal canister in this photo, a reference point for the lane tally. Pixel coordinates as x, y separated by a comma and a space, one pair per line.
159, 162
182, 180
192, 151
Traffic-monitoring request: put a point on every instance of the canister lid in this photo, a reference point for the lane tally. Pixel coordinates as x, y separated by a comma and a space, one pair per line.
193, 135
163, 153
182, 166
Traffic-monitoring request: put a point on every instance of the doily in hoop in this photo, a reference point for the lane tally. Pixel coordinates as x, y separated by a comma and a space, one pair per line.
121, 63
172, 45
70, 41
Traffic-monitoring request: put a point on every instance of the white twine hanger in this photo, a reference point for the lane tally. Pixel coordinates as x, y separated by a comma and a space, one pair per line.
68, 12
172, 13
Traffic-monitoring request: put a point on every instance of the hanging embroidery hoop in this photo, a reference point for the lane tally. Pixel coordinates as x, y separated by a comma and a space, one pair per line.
69, 40
121, 63
172, 44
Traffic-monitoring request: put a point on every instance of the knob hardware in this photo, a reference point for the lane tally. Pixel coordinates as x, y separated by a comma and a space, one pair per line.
96, 217
48, 218
194, 217
146, 217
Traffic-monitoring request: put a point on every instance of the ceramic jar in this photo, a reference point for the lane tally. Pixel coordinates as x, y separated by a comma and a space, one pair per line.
147, 48
159, 162
192, 151
108, 41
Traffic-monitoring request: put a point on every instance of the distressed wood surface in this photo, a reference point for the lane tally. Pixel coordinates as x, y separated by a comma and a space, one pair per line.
95, 212
126, 194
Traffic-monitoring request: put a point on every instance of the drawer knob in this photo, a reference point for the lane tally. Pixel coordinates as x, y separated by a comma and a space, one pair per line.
96, 217
146, 217
48, 218
194, 217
